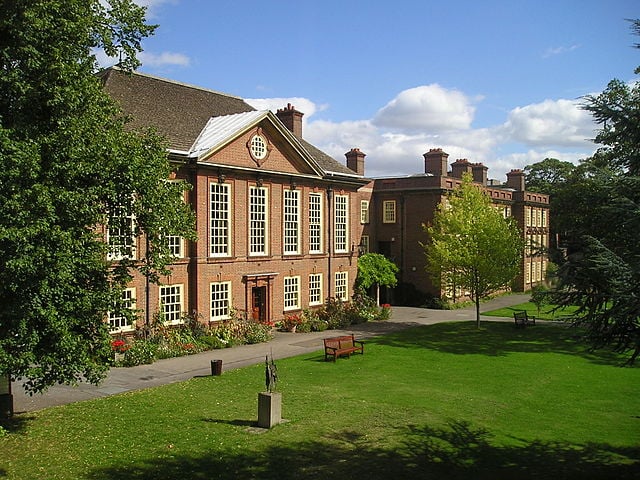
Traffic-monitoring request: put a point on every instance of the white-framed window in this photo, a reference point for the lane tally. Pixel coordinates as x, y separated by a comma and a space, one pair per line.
364, 211
364, 244
315, 289
121, 235
258, 147
220, 219
171, 306
341, 223
220, 301
120, 323
315, 223
258, 204
341, 288
291, 219
389, 211
176, 245
291, 293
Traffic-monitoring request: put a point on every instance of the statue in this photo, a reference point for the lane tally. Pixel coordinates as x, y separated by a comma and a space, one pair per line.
270, 373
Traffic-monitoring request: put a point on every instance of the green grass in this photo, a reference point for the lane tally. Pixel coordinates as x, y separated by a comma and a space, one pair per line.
546, 312
442, 401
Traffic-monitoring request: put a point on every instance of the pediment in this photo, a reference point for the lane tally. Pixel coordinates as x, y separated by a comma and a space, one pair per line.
253, 140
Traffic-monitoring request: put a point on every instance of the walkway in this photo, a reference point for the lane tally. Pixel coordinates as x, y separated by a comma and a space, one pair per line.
284, 345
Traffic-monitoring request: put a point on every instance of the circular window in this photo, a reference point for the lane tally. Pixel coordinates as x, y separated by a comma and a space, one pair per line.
258, 147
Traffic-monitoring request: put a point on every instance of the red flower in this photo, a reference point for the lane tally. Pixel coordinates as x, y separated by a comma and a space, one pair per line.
119, 346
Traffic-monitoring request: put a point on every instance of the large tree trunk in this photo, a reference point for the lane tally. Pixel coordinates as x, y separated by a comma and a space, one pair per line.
477, 299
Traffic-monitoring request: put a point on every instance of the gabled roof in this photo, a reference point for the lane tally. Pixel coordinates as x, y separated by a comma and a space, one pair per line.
190, 116
221, 130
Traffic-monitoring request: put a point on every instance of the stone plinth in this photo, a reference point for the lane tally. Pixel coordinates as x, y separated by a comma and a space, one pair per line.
269, 409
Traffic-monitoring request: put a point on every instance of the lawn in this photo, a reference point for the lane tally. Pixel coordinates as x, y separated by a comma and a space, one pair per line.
546, 312
441, 401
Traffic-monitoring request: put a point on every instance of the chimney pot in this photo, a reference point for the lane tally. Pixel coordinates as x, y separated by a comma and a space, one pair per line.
355, 160
515, 179
291, 118
435, 162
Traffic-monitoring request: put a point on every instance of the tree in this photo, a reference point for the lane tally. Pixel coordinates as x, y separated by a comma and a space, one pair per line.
376, 269
601, 216
471, 245
69, 165
548, 175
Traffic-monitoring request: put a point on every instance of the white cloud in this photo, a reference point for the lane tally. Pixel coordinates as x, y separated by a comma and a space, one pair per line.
301, 104
427, 107
553, 51
152, 5
163, 59
552, 122
529, 134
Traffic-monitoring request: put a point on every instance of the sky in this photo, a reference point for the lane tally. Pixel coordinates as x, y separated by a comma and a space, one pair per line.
493, 81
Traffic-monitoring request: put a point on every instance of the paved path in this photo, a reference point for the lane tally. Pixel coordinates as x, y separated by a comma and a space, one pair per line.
172, 370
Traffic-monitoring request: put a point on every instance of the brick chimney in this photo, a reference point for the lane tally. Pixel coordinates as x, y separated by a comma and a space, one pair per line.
435, 162
355, 160
460, 167
515, 180
479, 173
291, 118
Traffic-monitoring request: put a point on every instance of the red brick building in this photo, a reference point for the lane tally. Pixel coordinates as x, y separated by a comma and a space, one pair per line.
280, 223
399, 206
274, 214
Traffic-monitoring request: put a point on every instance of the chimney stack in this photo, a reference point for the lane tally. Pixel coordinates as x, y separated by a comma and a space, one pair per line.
435, 162
479, 173
355, 160
291, 118
460, 167
515, 180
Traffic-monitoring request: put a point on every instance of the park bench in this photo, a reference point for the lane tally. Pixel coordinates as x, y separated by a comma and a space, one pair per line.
523, 319
344, 345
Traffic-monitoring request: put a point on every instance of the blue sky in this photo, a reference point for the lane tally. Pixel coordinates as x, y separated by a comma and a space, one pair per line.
492, 81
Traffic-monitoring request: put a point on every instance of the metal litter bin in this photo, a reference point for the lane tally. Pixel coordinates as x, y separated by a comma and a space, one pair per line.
216, 367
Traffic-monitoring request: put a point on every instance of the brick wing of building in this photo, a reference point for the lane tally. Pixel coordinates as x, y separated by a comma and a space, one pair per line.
275, 215
400, 205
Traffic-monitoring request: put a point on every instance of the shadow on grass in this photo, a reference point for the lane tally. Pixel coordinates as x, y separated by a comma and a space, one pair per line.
457, 451
16, 423
498, 339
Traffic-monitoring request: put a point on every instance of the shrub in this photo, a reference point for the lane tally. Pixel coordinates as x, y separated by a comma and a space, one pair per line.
312, 321
385, 312
140, 352
333, 313
258, 333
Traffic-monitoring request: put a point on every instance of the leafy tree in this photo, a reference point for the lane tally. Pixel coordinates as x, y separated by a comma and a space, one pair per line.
68, 165
602, 220
471, 245
548, 175
376, 269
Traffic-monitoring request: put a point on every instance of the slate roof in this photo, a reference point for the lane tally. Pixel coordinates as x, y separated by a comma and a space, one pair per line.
177, 110
180, 112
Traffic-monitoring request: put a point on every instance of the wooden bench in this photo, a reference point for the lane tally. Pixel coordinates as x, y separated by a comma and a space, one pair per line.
344, 345
523, 319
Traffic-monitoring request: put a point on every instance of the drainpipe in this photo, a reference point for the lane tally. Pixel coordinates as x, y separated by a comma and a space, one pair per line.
329, 243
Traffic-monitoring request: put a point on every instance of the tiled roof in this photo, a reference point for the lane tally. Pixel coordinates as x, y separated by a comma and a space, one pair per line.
178, 111
326, 162
185, 114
